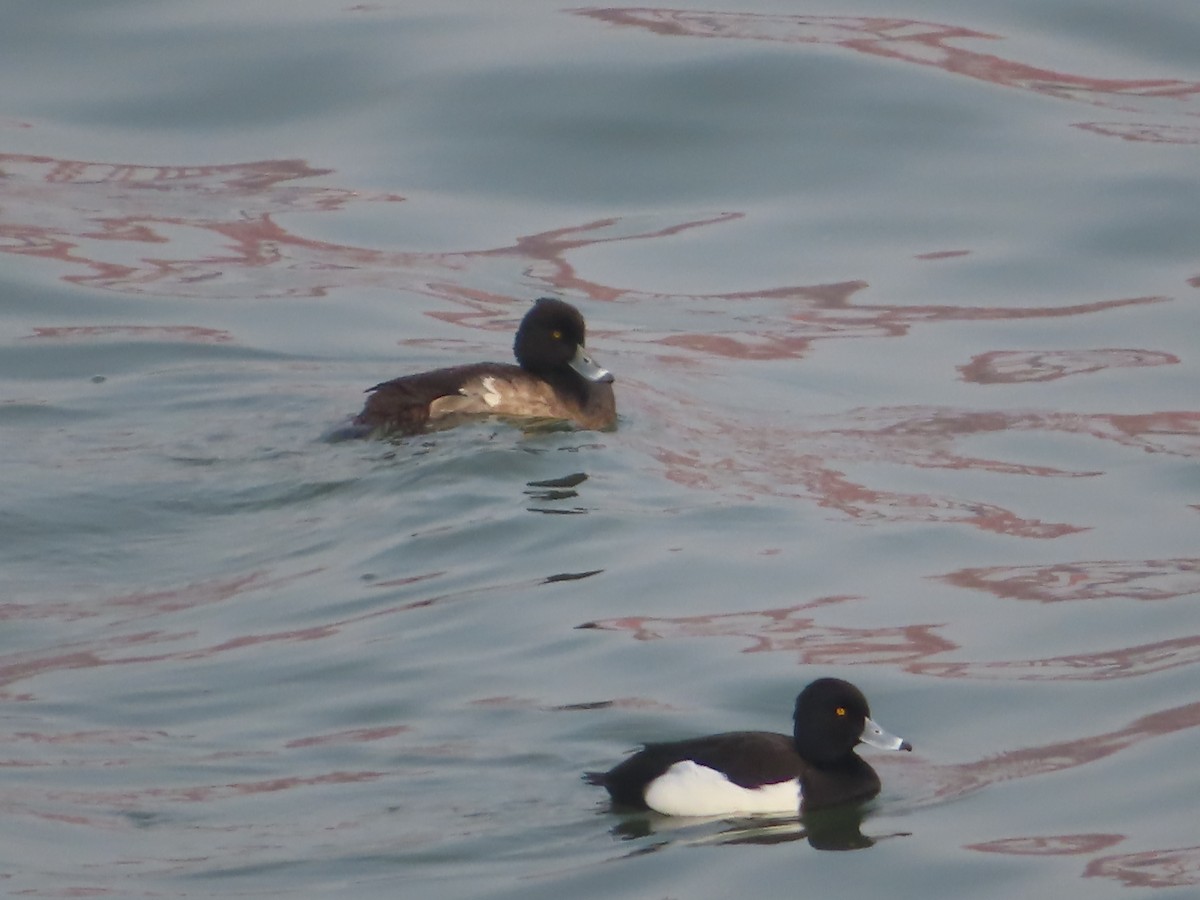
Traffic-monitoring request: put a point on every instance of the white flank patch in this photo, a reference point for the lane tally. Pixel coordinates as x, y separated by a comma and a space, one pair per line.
690, 789
491, 396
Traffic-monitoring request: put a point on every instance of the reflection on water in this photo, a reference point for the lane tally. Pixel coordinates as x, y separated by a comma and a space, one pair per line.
1151, 868
365, 643
1049, 845
1014, 367
236, 204
1136, 579
98, 207
807, 461
792, 630
93, 333
550, 490
1103, 665
1027, 762
836, 828
921, 649
706, 448
1174, 867
933, 44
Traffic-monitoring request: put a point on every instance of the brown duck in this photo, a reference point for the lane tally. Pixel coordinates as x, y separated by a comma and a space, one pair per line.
554, 378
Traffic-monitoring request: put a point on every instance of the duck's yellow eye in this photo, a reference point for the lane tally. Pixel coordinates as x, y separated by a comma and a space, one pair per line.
840, 711
556, 334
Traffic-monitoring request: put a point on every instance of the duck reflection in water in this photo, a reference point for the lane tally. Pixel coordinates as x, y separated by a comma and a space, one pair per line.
833, 828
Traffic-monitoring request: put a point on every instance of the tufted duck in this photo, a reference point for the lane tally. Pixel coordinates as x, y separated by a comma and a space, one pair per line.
555, 379
743, 772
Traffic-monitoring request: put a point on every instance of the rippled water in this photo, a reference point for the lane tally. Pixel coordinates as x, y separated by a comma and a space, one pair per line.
902, 307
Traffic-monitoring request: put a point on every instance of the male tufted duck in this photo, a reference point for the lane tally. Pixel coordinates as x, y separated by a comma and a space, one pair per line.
744, 772
555, 379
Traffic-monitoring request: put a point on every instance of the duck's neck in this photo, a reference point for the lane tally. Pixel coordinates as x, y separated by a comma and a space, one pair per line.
826, 785
569, 382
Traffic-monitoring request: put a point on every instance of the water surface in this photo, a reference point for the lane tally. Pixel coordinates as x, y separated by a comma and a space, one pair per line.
901, 304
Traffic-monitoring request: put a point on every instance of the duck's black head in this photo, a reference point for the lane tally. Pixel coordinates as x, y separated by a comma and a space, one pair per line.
551, 339
832, 717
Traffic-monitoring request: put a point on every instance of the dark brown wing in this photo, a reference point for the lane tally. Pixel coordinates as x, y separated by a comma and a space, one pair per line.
402, 404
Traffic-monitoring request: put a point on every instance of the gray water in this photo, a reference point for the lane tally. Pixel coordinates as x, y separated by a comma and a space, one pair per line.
902, 304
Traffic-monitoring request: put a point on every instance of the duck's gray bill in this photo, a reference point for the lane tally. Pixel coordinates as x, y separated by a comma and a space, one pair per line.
877, 737
586, 366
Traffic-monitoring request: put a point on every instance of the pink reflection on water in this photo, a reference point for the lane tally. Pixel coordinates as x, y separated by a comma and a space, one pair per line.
1122, 662
210, 231
959, 780
97, 203
918, 648
113, 646
116, 738
236, 204
1148, 579
830, 312
69, 606
91, 333
204, 793
816, 459
926, 44
1177, 867
786, 629
719, 453
939, 782
1016, 366
1144, 132
908, 647
1050, 845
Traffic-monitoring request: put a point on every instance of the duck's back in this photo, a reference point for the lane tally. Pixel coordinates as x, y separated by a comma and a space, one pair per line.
406, 404
748, 759
409, 404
